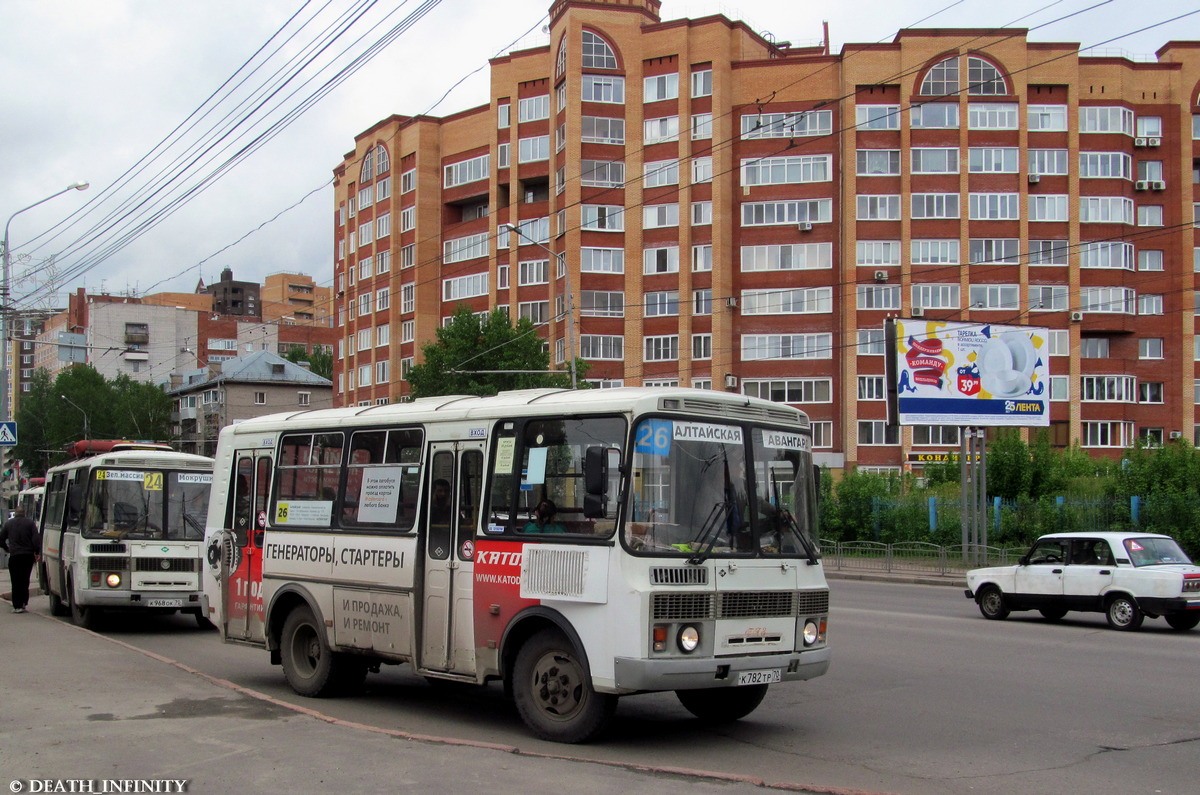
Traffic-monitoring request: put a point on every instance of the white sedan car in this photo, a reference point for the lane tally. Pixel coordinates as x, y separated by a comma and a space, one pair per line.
1126, 576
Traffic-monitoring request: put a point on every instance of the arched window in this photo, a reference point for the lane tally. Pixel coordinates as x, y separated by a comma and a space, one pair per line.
596, 52
984, 79
942, 79
560, 65
368, 166
382, 163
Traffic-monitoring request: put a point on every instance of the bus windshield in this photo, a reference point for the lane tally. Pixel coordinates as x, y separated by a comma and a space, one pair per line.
137, 504
705, 489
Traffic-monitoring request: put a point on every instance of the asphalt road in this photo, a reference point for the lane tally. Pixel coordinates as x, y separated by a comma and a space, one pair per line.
923, 696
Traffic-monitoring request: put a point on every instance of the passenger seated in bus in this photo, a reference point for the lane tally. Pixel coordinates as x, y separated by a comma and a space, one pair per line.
543, 519
440, 509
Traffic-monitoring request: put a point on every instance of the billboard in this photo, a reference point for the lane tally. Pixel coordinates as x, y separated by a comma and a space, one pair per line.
967, 374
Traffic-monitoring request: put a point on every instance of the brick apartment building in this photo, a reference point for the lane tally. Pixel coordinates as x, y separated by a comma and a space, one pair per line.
733, 213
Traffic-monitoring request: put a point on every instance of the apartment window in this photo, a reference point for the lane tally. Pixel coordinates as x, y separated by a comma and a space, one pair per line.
260, 398
535, 229
995, 250
878, 208
942, 160
878, 296
602, 347
936, 296
1106, 254
1043, 207
656, 131
366, 197
383, 335
993, 159
1049, 162
702, 258
1048, 252
787, 301
601, 303
366, 234
702, 346
1107, 434
878, 252
1105, 165
381, 372
602, 130
1048, 118
533, 149
702, 126
383, 189
364, 375
877, 117
1150, 215
878, 162
934, 252
596, 54
364, 268
702, 170
1060, 388
655, 216
464, 248
759, 347
1058, 342
1105, 209
664, 303
408, 256
383, 226
941, 79
536, 312
364, 340
935, 435
533, 272
1151, 170
702, 302
1150, 260
994, 206
877, 432
462, 287
872, 387
1150, 304
786, 170
1111, 300
383, 262
503, 155
660, 260
503, 117
934, 116
603, 88
365, 303
602, 260
1048, 298
662, 349
788, 256
787, 125
383, 299
796, 390
1093, 348
702, 83
935, 205
995, 296
992, 116
1150, 348
466, 171
701, 213
1149, 126
603, 217
774, 213
661, 172
534, 108
660, 87
1106, 120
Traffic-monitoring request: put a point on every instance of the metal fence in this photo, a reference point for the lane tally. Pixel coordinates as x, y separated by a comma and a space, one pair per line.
914, 557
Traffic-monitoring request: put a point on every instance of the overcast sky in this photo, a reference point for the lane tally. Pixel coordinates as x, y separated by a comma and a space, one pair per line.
90, 88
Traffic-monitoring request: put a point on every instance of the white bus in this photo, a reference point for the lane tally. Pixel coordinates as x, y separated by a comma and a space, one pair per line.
576, 545
123, 529
30, 498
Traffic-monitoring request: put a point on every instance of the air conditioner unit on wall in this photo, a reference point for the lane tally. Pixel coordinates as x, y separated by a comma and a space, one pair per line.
1153, 142
918, 311
1141, 184
1076, 317
730, 381
1140, 142
881, 276
804, 226
1035, 179
1157, 184
1176, 434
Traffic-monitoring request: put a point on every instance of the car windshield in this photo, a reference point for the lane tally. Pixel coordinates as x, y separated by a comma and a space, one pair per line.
1151, 551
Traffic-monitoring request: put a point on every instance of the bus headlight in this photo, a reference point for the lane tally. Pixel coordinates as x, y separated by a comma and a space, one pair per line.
811, 633
113, 580
688, 639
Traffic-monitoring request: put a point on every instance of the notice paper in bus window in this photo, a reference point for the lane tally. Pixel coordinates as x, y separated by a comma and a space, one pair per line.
309, 513
535, 473
379, 496
505, 449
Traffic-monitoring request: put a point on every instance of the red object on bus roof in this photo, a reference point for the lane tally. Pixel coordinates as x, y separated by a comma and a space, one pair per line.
90, 447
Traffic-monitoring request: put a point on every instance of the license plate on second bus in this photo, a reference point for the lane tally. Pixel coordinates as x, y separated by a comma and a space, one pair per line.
765, 677
168, 603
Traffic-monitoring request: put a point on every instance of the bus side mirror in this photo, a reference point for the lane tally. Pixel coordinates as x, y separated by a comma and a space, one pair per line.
816, 471
595, 482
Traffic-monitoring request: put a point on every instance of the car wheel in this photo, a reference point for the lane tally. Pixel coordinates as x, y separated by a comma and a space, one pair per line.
722, 704
553, 693
1123, 613
991, 603
1053, 613
1183, 621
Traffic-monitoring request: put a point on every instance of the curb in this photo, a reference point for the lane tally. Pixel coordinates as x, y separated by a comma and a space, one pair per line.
898, 579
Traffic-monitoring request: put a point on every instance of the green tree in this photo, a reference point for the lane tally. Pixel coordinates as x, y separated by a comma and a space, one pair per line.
1008, 465
484, 355
319, 362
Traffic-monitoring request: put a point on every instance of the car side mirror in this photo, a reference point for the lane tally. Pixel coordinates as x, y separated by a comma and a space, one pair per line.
1024, 561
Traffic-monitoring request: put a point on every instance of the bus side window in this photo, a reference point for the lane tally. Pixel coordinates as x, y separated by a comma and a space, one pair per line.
241, 506
470, 493
74, 504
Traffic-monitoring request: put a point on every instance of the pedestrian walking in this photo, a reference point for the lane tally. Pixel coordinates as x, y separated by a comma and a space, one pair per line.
19, 537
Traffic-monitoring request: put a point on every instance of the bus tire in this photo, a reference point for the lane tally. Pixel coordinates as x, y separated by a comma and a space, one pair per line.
553, 692
722, 704
57, 608
81, 616
203, 622
311, 667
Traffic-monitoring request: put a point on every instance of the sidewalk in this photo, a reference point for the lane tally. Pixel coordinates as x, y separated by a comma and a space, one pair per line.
955, 580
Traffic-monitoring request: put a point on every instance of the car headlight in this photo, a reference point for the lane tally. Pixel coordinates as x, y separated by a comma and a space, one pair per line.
688, 639
811, 632
113, 580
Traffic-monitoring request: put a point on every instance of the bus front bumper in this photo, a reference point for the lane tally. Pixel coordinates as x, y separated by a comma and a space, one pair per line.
687, 673
140, 600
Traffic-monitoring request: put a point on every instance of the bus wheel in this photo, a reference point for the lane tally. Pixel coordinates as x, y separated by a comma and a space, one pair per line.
553, 694
722, 704
57, 608
311, 667
203, 622
86, 617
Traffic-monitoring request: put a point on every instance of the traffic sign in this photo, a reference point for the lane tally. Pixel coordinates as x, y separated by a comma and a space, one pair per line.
8, 433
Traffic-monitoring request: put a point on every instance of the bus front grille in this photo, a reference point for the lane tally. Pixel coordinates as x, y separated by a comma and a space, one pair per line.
111, 549
675, 575
108, 564
756, 604
812, 603
681, 606
164, 564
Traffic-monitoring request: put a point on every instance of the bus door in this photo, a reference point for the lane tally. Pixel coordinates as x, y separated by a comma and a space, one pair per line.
242, 592
454, 489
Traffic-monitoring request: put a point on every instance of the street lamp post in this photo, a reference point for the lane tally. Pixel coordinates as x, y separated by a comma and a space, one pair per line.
562, 262
87, 433
6, 310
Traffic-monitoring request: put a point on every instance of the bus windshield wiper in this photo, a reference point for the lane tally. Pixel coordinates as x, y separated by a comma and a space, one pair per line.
707, 537
810, 549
